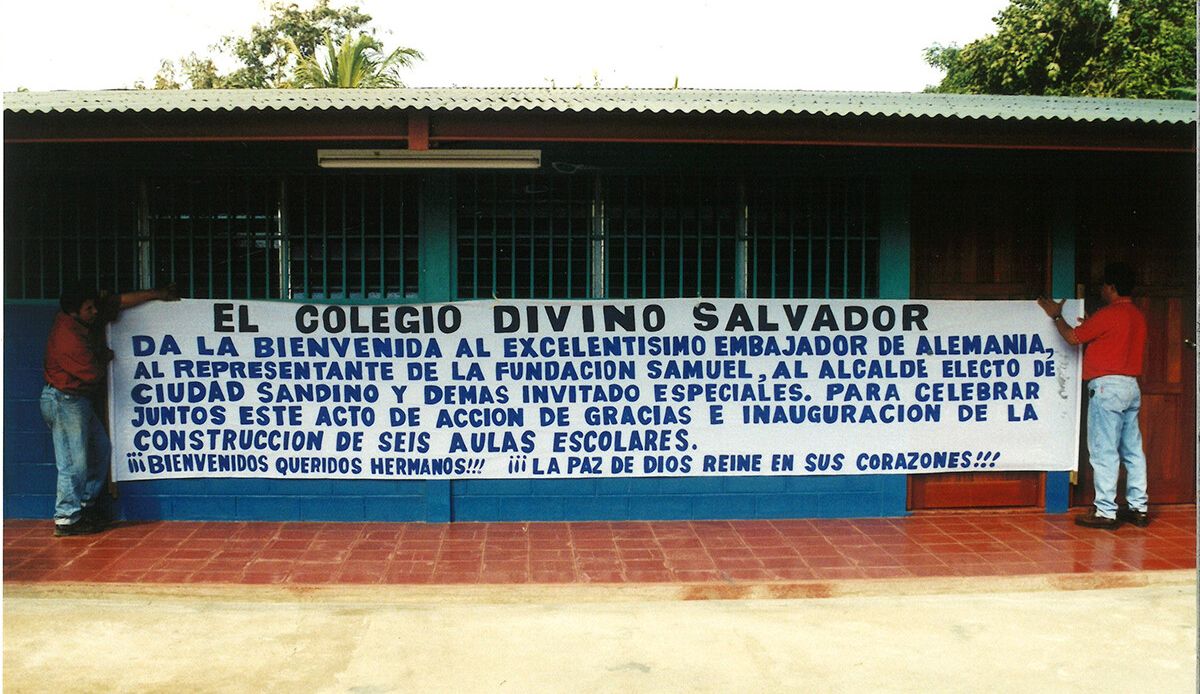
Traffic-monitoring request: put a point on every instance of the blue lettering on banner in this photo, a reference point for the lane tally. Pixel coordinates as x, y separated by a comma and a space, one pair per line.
585, 389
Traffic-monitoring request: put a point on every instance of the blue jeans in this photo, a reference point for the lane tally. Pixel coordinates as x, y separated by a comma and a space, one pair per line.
1113, 438
81, 451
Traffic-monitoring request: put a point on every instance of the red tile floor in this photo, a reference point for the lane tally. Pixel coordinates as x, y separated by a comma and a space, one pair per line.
938, 545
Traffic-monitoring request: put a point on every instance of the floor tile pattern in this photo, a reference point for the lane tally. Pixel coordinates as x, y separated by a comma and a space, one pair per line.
936, 545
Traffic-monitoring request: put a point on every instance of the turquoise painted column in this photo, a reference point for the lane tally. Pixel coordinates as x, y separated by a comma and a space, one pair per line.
895, 251
435, 283
1062, 285
895, 238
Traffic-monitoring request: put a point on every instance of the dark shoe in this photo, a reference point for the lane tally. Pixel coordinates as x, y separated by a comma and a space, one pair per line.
1139, 518
1092, 520
97, 515
79, 527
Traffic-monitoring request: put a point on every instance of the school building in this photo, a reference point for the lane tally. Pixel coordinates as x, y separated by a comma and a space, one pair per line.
435, 195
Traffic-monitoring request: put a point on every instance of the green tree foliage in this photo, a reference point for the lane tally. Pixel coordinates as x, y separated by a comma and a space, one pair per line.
1150, 51
1040, 47
357, 63
268, 57
1146, 49
193, 71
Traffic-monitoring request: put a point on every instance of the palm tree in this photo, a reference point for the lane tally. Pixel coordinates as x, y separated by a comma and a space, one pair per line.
357, 63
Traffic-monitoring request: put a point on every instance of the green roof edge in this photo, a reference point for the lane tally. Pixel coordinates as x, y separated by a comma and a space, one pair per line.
678, 101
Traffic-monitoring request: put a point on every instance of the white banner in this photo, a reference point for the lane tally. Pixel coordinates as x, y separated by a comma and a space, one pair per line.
543, 389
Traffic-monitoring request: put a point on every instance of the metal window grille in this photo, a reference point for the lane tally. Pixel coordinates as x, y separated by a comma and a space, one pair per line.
352, 236
524, 236
238, 237
651, 236
59, 231
812, 237
670, 236
218, 238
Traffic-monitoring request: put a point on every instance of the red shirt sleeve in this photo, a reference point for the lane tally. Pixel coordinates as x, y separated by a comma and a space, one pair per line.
1094, 326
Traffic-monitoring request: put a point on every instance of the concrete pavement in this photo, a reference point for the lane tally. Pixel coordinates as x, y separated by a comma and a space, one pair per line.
1097, 633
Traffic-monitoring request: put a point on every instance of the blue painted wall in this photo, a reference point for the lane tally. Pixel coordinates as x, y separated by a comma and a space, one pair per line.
658, 498
29, 472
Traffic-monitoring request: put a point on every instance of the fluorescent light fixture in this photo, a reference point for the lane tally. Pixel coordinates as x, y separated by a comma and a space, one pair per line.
429, 158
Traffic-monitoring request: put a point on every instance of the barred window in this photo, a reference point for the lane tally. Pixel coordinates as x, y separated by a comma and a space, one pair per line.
652, 236
352, 236
812, 237
229, 237
670, 236
59, 231
217, 238
349, 236
524, 236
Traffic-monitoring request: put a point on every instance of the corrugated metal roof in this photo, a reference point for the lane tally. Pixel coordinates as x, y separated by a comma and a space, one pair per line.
693, 101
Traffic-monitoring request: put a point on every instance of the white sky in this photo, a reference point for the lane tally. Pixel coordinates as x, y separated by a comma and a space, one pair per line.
855, 45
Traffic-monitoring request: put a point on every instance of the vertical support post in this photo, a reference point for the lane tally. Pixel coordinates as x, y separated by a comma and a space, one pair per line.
435, 251
145, 278
281, 234
742, 239
436, 243
599, 284
895, 261
418, 130
1062, 284
895, 236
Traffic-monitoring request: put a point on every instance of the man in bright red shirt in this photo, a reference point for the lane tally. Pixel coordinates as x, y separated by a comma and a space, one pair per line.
74, 370
1115, 344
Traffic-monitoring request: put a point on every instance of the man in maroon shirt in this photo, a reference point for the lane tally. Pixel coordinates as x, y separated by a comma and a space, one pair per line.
74, 370
1115, 339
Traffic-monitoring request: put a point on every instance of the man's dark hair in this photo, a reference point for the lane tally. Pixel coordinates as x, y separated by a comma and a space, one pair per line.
75, 295
1120, 276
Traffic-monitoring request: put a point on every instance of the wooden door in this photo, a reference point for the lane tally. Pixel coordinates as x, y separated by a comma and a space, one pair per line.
978, 239
1142, 222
